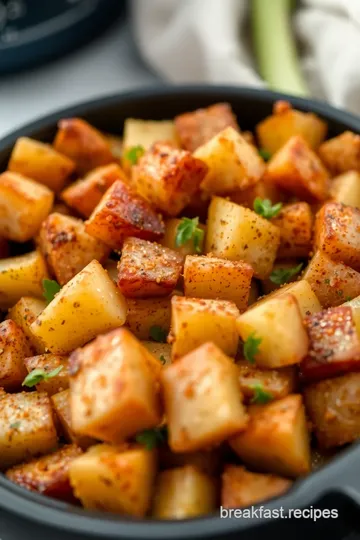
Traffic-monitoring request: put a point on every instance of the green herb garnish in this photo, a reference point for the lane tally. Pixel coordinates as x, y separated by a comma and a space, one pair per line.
327, 281
158, 334
162, 359
265, 154
251, 347
260, 395
15, 425
187, 230
348, 299
266, 209
50, 289
134, 154
39, 375
282, 275
151, 438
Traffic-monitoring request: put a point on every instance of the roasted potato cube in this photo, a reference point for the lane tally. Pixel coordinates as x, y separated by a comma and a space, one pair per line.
168, 177
24, 205
24, 313
114, 377
61, 405
13, 350
41, 163
195, 321
277, 383
49, 363
295, 222
257, 244
115, 479
184, 493
169, 238
83, 144
232, 163
122, 213
145, 133
345, 189
48, 475
262, 190
279, 324
342, 153
162, 351
145, 313
86, 306
296, 168
85, 194
305, 296
277, 438
67, 247
269, 286
27, 427
210, 277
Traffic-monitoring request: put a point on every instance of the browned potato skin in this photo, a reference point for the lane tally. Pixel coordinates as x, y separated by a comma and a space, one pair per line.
242, 488
24, 313
295, 222
277, 382
147, 269
333, 406
122, 213
342, 153
48, 475
143, 313
85, 194
82, 143
13, 350
49, 362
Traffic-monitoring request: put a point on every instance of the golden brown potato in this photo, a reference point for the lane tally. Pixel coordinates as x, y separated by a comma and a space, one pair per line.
305, 296
162, 351
13, 349
146, 313
24, 313
345, 189
188, 247
203, 402
342, 153
295, 222
276, 383
48, 363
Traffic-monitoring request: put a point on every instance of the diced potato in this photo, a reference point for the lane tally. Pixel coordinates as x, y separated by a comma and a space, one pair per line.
24, 205
115, 479
27, 427
285, 122
333, 406
210, 277
268, 286
21, 276
83, 144
13, 350
169, 238
4, 248
295, 222
306, 298
48, 475
144, 313
48, 363
232, 163
257, 244
342, 153
208, 460
296, 168
242, 488
332, 282
168, 177
162, 351
67, 247
114, 377
195, 321
41, 163
278, 383
262, 190
86, 306
278, 323
277, 438
24, 313
183, 493
61, 405
85, 194
122, 213
345, 189
203, 402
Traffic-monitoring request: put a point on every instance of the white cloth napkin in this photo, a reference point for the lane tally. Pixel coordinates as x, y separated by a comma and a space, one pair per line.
208, 41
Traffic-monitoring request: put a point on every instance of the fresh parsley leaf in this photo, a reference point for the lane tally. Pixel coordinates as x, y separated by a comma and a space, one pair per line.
251, 347
151, 438
50, 288
187, 230
158, 334
265, 154
327, 281
134, 154
38, 375
282, 275
266, 209
260, 395
162, 359
348, 299
15, 425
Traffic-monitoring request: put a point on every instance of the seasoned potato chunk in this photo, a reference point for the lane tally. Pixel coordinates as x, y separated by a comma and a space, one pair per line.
278, 323
116, 479
171, 232
145, 133
40, 162
122, 213
13, 349
257, 244
232, 163
295, 222
145, 313
27, 427
24, 205
168, 177
342, 153
305, 296
345, 189
195, 321
296, 168
49, 363
242, 488
162, 351
277, 438
276, 383
114, 377
86, 306
24, 313
67, 247
210, 277
147, 269
203, 402
183, 493
83, 144
61, 405
48, 475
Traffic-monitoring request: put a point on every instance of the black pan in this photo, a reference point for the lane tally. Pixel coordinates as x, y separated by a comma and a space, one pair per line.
24, 515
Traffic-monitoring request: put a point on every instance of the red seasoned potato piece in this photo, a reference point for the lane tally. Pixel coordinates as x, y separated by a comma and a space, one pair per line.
14, 347
48, 363
333, 406
295, 222
278, 383
40, 162
114, 377
345, 189
122, 213
296, 168
168, 177
82, 143
277, 438
242, 488
342, 153
144, 313
203, 402
169, 238
148, 269
198, 127
24, 313
48, 475
67, 247
85, 194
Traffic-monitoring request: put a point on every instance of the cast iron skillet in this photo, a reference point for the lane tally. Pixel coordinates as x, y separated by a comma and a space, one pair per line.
24, 514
